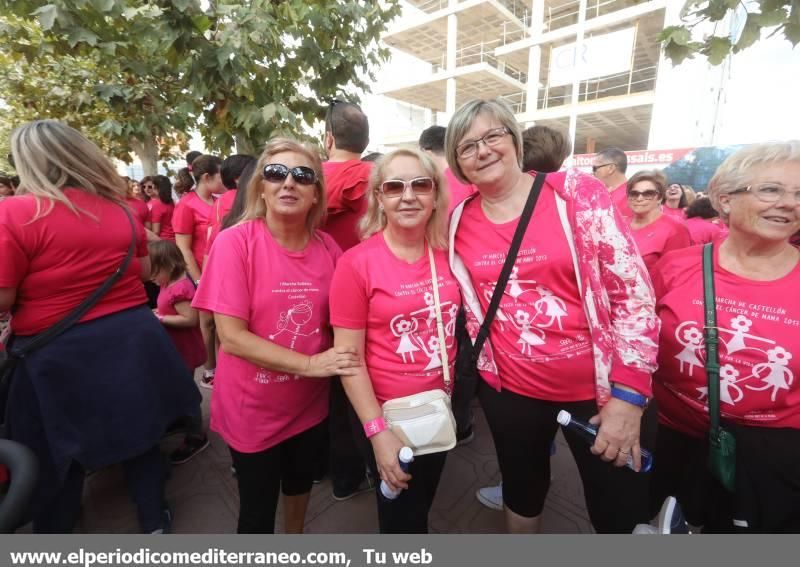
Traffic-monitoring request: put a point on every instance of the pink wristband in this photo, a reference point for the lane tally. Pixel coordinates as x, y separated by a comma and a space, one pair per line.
372, 428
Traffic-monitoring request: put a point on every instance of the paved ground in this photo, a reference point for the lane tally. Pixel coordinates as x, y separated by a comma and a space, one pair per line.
205, 500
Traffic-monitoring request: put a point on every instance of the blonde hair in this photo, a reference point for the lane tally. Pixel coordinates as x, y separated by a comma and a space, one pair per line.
49, 156
734, 172
255, 207
462, 121
374, 220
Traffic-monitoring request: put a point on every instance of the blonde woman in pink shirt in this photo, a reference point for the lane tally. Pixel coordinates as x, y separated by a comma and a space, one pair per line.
382, 305
266, 282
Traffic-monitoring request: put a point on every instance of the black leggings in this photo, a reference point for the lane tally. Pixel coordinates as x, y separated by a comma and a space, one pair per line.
408, 513
767, 495
524, 428
287, 467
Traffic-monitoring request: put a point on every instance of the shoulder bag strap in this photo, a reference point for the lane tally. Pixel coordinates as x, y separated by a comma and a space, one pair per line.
75, 315
439, 323
505, 273
711, 335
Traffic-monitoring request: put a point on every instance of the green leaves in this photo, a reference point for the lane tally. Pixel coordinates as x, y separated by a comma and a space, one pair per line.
678, 44
781, 17
47, 16
129, 69
717, 49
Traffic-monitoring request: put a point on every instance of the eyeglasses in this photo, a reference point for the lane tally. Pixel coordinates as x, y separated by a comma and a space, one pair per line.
491, 138
148, 186
277, 172
648, 195
596, 167
768, 192
394, 188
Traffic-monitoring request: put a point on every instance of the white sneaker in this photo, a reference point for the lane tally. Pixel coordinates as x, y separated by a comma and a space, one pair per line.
491, 496
207, 380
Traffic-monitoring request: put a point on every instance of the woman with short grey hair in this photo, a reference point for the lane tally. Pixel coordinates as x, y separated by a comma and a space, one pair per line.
756, 274
575, 328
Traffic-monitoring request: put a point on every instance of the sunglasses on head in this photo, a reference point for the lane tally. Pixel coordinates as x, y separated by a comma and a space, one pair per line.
394, 188
277, 172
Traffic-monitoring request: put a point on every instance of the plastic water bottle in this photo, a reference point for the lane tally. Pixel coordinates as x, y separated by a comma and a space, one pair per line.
405, 456
589, 432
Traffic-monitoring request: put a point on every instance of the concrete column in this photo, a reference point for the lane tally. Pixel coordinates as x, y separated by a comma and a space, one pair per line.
534, 56
576, 83
452, 44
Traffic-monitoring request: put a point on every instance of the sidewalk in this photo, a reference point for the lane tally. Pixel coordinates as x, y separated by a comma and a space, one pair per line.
204, 498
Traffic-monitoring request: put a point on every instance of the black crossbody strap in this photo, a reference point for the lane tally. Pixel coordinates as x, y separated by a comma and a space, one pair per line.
711, 335
75, 315
505, 273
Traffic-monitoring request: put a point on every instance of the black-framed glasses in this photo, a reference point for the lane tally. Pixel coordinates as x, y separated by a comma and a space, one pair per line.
394, 188
595, 168
277, 172
647, 195
492, 138
768, 192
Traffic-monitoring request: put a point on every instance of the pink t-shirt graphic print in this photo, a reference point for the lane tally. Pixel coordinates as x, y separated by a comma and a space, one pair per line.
283, 297
759, 332
540, 334
393, 300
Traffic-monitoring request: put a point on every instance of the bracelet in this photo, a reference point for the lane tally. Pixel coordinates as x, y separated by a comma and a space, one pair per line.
375, 426
630, 397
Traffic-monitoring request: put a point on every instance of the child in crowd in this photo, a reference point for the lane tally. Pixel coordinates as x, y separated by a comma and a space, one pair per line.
182, 323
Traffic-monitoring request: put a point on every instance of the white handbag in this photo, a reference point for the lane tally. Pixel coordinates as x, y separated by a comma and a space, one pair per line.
424, 421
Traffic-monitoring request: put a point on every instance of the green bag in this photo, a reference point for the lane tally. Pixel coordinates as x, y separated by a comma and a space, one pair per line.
722, 443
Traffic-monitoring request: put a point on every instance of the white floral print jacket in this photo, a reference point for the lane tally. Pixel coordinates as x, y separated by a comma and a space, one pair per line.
617, 295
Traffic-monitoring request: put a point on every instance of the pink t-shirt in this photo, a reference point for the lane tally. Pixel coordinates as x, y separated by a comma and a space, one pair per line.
60, 259
677, 214
191, 217
659, 237
458, 191
188, 341
393, 300
222, 207
703, 231
283, 297
162, 214
540, 334
759, 331
619, 197
139, 209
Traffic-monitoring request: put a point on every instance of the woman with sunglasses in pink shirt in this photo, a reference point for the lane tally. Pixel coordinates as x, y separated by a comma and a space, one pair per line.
655, 233
266, 282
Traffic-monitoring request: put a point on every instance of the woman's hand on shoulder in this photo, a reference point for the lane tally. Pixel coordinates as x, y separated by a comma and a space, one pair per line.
387, 447
336, 361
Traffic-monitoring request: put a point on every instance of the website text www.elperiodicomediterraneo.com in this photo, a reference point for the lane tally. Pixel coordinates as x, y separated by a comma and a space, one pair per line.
216, 557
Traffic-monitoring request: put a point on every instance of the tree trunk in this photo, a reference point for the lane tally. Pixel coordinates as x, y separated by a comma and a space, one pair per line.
147, 152
244, 145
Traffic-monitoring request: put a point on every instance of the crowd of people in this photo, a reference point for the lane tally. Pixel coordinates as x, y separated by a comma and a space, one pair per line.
314, 293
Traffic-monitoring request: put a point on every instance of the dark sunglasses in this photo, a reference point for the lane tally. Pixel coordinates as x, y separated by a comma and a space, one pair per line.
648, 195
277, 172
596, 167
